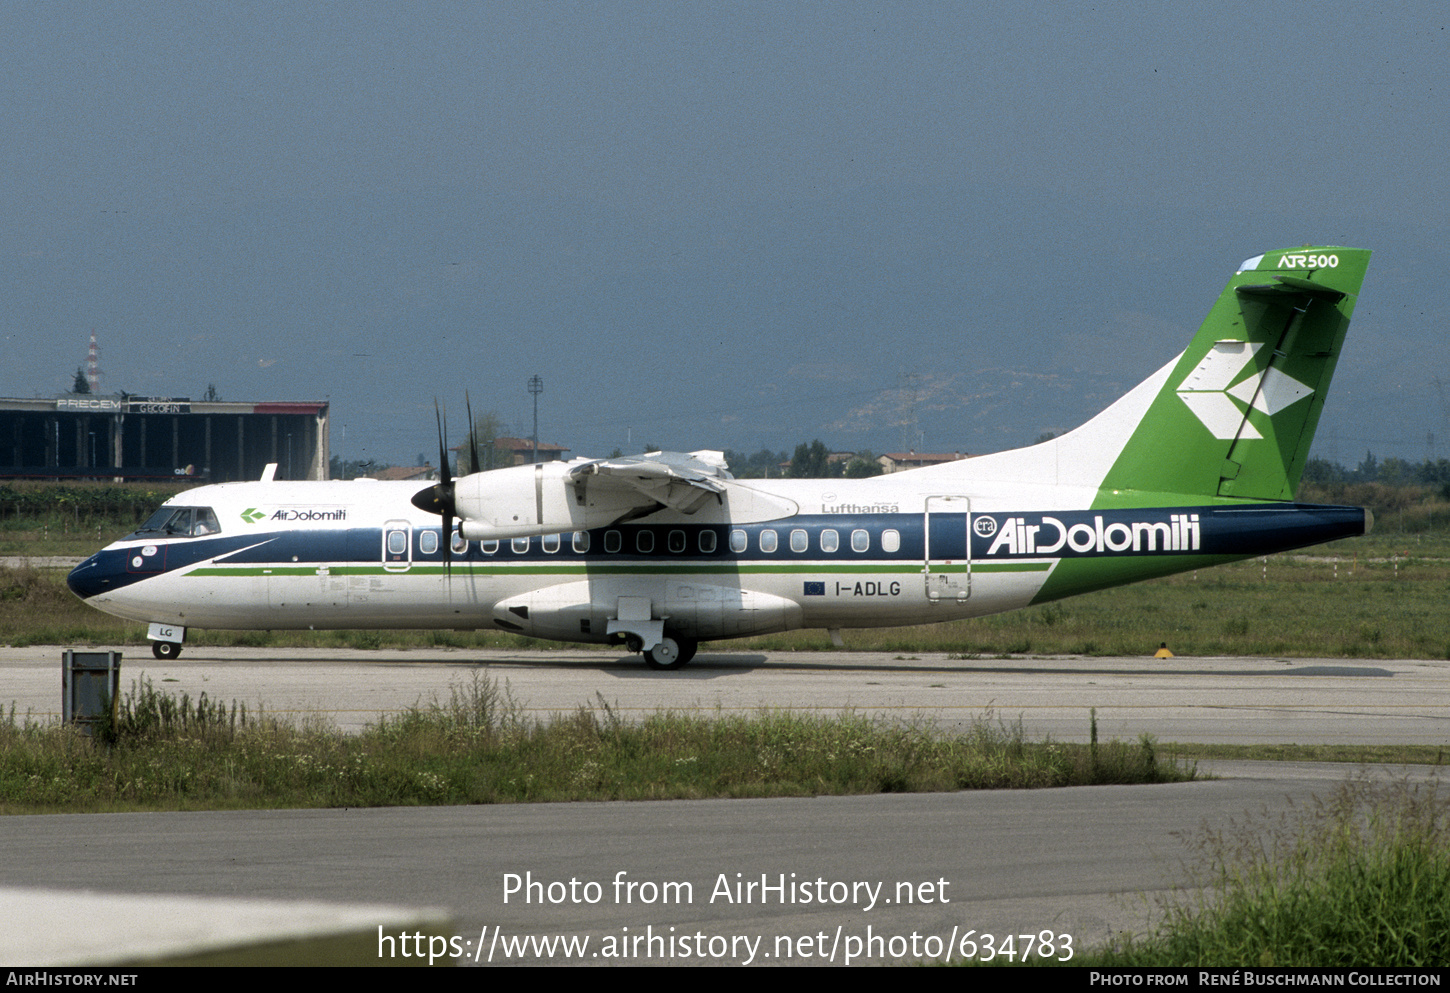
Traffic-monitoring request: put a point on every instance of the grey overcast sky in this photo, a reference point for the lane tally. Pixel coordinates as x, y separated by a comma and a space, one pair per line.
712, 225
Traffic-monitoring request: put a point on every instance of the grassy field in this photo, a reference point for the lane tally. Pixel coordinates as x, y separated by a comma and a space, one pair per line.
170, 753
1359, 879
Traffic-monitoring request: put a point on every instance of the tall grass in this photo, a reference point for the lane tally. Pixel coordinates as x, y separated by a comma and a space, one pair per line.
164, 752
1361, 879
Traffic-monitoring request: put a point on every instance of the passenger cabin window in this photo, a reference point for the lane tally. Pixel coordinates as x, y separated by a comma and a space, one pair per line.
860, 541
830, 540
891, 540
459, 545
612, 542
737, 541
707, 542
551, 543
581, 541
489, 547
397, 542
428, 542
644, 541
519, 545
799, 541
769, 540
677, 542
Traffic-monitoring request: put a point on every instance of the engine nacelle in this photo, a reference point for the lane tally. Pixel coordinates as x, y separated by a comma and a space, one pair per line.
525, 500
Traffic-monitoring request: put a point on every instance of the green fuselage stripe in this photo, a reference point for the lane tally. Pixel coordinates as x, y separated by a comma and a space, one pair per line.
644, 568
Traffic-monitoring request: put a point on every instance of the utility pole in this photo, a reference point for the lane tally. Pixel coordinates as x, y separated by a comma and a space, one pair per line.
536, 386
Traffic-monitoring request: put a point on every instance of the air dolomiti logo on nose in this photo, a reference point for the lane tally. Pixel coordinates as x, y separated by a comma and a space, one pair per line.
252, 515
1207, 392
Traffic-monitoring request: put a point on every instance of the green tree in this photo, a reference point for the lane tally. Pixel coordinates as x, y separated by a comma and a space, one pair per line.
1396, 472
82, 385
811, 461
1324, 471
1367, 471
863, 465
764, 464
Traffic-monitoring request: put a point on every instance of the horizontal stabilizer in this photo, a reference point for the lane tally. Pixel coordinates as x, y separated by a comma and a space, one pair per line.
1235, 415
1293, 285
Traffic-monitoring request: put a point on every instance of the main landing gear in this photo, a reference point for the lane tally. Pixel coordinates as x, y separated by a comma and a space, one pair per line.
671, 653
165, 650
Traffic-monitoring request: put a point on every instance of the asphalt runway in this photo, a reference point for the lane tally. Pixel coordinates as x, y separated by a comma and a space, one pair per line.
1081, 865
1073, 867
1220, 700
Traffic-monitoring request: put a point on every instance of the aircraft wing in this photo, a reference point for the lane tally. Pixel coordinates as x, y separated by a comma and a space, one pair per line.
678, 480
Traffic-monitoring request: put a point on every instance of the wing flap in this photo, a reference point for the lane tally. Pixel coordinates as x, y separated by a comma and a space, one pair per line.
681, 481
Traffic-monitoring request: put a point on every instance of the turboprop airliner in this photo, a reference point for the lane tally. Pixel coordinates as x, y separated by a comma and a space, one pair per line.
1196, 466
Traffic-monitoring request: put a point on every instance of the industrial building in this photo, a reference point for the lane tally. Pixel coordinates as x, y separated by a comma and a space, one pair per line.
120, 436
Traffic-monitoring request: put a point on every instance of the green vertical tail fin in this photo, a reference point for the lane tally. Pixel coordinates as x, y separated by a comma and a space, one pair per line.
1236, 416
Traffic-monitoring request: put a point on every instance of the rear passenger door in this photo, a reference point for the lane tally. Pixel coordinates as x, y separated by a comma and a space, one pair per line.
947, 564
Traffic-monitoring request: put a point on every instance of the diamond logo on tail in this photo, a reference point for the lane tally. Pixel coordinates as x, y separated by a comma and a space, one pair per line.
1206, 390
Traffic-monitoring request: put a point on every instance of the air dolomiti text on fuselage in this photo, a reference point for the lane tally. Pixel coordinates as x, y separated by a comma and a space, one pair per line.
1052, 536
1195, 466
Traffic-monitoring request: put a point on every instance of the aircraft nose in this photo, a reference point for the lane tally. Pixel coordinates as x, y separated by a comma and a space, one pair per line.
89, 578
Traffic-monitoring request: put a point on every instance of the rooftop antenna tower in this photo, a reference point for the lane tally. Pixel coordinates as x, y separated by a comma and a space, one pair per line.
93, 365
536, 386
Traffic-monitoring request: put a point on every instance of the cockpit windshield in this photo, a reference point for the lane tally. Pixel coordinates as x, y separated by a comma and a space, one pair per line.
181, 522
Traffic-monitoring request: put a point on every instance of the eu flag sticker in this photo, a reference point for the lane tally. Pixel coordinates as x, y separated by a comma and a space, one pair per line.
815, 589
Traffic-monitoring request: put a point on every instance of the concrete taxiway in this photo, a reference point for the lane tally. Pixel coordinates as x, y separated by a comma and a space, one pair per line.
1077, 865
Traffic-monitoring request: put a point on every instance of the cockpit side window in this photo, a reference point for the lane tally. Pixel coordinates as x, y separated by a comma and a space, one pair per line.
179, 523
158, 520
182, 522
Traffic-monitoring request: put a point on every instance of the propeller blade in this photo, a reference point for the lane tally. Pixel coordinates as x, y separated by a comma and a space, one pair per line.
448, 546
441, 418
438, 498
447, 477
473, 465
